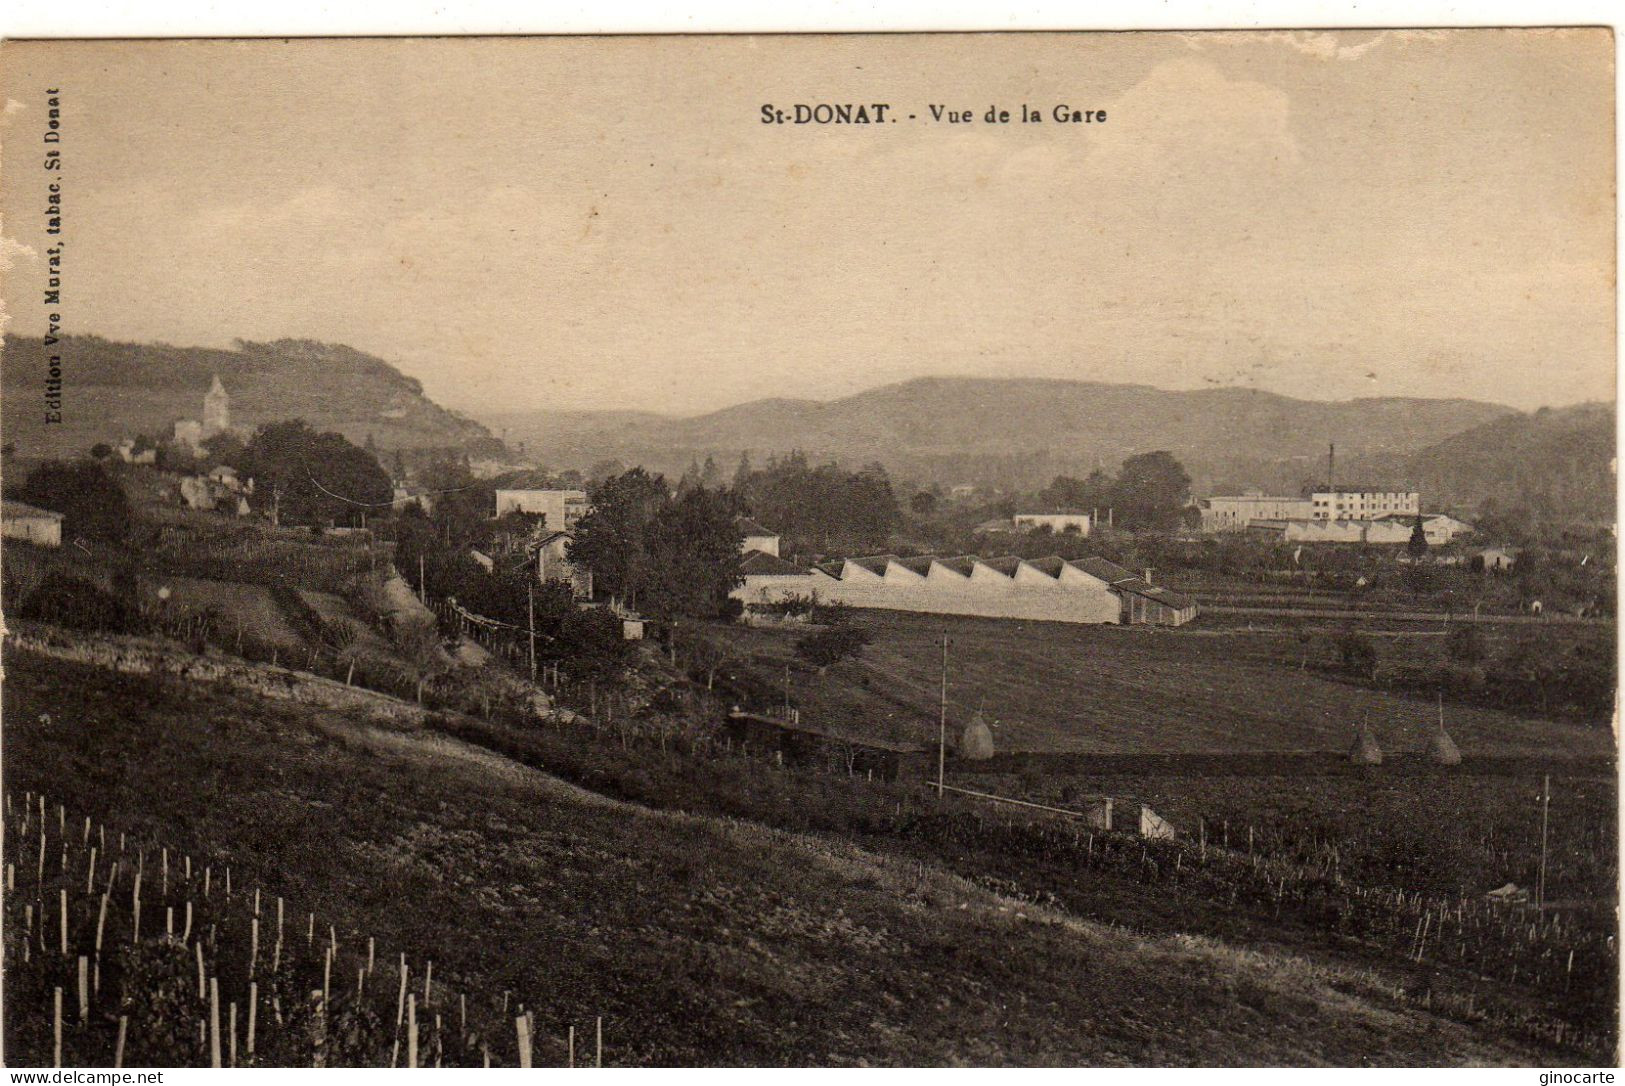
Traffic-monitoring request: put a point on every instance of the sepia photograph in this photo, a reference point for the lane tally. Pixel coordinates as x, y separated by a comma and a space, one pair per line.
977, 550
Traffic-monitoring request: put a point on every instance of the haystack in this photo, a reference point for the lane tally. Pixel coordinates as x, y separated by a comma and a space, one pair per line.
1365, 750
1442, 749
976, 741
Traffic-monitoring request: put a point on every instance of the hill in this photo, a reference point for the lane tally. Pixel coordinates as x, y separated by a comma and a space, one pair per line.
1557, 461
698, 940
113, 390
1020, 431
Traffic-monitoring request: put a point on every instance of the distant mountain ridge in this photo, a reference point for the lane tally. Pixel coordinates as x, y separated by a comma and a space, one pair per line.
113, 390
941, 428
1558, 462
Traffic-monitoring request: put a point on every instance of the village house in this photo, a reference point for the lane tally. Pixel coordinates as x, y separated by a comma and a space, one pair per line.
756, 537
559, 510
29, 524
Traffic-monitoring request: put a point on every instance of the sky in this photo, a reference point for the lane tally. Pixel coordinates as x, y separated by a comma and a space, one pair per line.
606, 223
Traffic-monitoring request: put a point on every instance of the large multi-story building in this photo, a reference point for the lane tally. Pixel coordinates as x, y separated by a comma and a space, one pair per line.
559, 509
1363, 503
1232, 513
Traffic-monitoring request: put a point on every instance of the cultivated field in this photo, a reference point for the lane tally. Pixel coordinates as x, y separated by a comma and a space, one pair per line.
1058, 687
698, 941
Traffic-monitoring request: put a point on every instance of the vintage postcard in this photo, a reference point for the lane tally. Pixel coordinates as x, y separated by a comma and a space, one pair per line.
992, 550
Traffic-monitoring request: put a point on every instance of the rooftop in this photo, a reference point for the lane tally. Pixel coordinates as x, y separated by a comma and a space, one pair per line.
11, 508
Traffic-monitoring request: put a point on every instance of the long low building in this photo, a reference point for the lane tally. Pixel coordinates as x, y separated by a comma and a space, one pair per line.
1090, 590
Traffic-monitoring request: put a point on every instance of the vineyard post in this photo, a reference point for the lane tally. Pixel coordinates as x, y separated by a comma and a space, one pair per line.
232, 1048
253, 945
64, 925
598, 1050
411, 1031
521, 1026
57, 1029
118, 1046
207, 872
90, 873
428, 983
214, 1018
253, 1013
169, 922
572, 1046
400, 1000
165, 869
84, 988
327, 974
1545, 810
462, 1004
85, 840
11, 878
202, 989
186, 933
369, 953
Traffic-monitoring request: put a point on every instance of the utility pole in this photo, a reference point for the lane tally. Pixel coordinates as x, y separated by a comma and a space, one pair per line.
942, 723
1545, 812
530, 605
423, 585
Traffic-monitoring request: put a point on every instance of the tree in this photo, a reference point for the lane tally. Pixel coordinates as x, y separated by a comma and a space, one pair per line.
226, 448
101, 451
1418, 545
710, 474
742, 473
92, 503
693, 557
828, 647
1465, 645
611, 539
306, 477
923, 503
1151, 491
1359, 655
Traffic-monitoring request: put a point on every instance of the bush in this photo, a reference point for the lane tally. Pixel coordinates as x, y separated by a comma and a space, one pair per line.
1465, 645
1358, 655
91, 501
78, 604
831, 646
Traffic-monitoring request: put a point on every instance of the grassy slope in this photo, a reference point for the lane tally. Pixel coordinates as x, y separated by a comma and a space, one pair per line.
700, 941
1064, 687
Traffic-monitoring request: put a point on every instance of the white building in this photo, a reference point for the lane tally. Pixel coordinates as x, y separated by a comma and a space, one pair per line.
559, 509
1437, 528
24, 522
1232, 513
756, 537
1360, 503
1047, 589
1055, 522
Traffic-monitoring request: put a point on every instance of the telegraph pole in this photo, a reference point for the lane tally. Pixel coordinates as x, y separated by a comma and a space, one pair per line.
942, 722
1545, 812
530, 604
